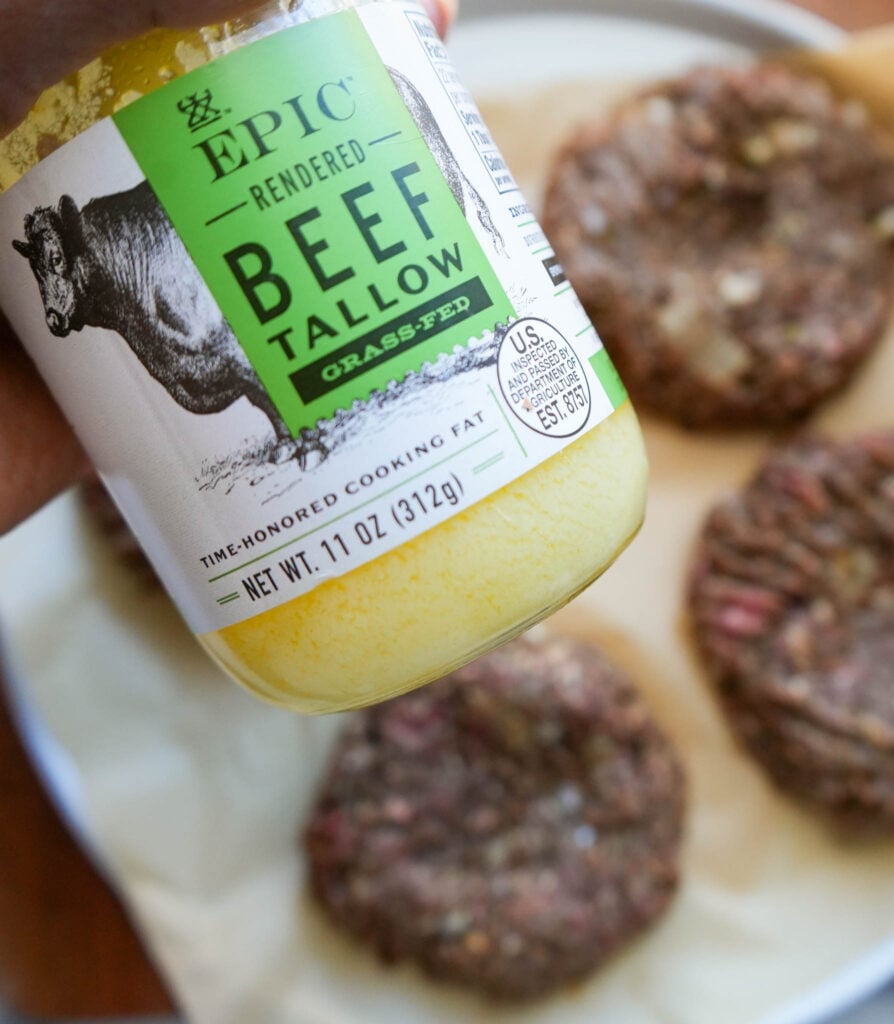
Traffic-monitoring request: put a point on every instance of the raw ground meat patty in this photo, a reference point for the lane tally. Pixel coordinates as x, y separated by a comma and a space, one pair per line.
792, 597
508, 827
729, 233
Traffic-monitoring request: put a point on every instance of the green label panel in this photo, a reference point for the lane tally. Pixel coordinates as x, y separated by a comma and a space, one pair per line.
316, 213
608, 378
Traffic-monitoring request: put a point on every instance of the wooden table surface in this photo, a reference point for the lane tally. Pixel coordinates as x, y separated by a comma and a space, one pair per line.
66, 947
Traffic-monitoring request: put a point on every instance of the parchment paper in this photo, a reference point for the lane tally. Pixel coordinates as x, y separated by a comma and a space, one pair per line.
193, 792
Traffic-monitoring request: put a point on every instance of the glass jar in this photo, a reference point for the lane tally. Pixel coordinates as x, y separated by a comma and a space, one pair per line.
325, 361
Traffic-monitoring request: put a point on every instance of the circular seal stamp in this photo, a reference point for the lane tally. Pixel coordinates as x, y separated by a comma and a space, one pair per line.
542, 379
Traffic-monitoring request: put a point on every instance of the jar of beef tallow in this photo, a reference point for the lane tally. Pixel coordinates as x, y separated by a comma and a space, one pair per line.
279, 278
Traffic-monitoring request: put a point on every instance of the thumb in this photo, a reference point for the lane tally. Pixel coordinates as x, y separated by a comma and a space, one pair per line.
442, 13
42, 42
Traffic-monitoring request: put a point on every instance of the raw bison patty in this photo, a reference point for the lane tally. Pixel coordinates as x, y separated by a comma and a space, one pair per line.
729, 235
508, 827
792, 597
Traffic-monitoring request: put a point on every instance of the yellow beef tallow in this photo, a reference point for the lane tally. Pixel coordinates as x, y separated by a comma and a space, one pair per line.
414, 613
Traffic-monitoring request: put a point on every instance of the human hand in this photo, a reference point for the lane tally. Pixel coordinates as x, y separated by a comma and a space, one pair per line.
41, 43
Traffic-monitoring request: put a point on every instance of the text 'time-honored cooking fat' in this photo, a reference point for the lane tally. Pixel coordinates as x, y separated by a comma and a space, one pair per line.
279, 278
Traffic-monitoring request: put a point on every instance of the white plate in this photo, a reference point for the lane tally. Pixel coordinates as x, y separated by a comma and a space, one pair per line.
191, 794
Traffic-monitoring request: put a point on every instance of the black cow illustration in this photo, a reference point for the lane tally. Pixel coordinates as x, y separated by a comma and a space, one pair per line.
119, 264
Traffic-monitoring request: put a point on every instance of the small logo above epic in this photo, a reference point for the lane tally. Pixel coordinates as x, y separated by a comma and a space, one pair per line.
199, 110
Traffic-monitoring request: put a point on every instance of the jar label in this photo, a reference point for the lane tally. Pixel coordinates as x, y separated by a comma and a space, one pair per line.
298, 310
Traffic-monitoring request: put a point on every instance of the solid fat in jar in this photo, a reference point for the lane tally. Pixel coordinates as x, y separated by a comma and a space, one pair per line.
360, 421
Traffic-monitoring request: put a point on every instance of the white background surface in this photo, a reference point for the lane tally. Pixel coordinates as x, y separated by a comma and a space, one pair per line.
877, 1011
